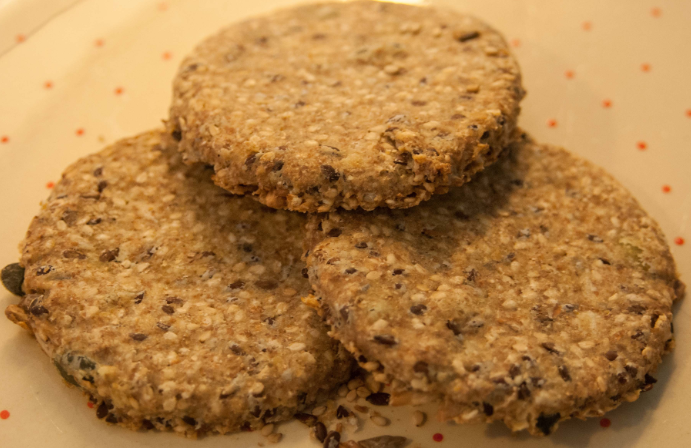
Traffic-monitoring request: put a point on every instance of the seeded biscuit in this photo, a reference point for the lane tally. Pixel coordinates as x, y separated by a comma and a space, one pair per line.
172, 303
355, 104
538, 292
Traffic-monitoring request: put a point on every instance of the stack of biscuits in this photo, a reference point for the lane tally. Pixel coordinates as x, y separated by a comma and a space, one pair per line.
342, 188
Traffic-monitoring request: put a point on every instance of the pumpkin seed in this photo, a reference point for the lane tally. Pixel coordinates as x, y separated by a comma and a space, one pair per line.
12, 278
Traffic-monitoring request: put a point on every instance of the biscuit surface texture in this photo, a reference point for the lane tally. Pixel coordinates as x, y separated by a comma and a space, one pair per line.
356, 104
538, 292
174, 304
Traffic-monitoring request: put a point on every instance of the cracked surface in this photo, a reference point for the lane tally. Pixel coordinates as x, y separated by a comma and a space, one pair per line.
357, 104
173, 304
538, 292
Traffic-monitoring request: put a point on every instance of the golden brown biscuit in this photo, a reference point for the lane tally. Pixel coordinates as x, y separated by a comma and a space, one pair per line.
172, 303
356, 104
538, 292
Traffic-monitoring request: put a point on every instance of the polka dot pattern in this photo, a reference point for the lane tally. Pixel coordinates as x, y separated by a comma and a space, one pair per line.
640, 66
587, 25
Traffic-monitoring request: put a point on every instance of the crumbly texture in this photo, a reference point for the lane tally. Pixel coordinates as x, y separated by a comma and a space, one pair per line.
174, 304
538, 292
356, 104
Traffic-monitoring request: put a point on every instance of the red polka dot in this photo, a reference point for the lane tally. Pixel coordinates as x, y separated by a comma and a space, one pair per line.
587, 26
162, 6
99, 42
4, 139
50, 185
605, 423
656, 12
666, 188
569, 74
642, 145
48, 85
79, 132
119, 90
5, 414
688, 113
438, 437
167, 56
552, 123
90, 404
606, 103
515, 43
20, 38
679, 241
645, 67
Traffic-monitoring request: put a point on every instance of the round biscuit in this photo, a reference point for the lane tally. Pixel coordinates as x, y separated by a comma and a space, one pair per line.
354, 104
172, 303
538, 292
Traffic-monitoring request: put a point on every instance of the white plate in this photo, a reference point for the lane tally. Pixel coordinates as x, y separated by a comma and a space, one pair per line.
92, 71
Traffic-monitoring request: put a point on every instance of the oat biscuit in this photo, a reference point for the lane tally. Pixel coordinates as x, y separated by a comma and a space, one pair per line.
356, 104
174, 304
538, 292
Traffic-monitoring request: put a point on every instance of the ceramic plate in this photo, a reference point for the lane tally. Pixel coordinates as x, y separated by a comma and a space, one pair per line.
607, 80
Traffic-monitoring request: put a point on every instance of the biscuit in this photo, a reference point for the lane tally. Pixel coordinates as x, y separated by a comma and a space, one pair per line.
538, 292
356, 104
172, 303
